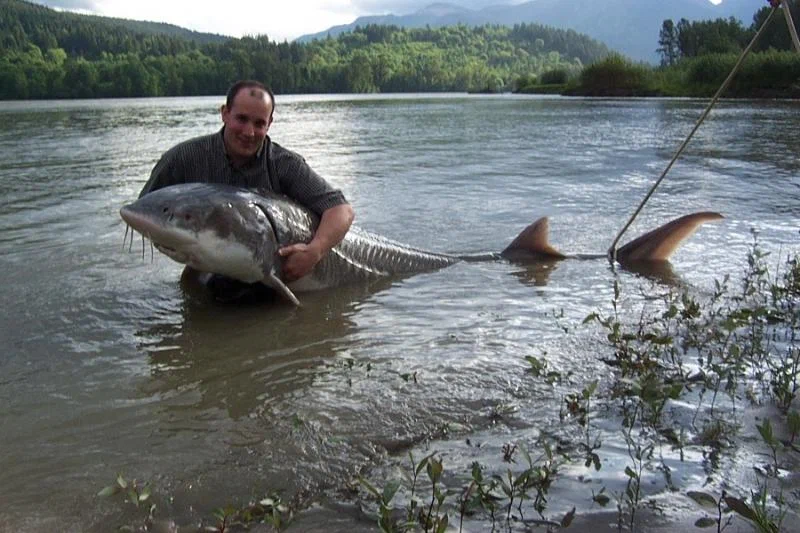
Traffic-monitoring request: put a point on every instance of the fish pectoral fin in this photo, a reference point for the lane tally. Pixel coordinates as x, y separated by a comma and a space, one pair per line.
534, 240
273, 281
659, 244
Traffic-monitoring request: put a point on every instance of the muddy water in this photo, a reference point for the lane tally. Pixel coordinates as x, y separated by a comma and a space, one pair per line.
109, 365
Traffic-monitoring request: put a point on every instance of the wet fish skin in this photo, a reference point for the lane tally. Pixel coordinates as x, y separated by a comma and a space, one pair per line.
237, 233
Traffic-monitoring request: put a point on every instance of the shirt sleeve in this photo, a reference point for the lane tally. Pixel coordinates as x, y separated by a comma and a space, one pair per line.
301, 183
164, 173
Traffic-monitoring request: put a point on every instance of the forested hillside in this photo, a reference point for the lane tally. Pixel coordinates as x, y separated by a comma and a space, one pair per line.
48, 54
626, 26
88, 35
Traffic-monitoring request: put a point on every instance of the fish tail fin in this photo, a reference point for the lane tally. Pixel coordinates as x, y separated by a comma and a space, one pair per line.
660, 243
534, 240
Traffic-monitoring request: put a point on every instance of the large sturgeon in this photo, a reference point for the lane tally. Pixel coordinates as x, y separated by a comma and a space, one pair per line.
237, 233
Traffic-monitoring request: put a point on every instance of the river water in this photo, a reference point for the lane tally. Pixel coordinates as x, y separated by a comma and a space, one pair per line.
107, 366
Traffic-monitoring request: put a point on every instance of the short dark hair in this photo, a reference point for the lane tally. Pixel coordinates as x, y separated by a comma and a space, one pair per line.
248, 84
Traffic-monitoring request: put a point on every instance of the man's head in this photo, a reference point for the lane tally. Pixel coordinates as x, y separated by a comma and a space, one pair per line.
247, 115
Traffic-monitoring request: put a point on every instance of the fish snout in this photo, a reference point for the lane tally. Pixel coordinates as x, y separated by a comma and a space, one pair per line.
126, 213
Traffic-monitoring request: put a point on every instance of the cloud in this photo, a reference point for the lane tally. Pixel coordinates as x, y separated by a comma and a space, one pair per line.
71, 5
278, 20
402, 7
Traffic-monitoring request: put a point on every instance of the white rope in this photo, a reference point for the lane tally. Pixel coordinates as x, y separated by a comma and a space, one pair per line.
789, 22
612, 251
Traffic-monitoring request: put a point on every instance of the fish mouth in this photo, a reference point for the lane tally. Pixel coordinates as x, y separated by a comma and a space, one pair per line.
164, 238
166, 249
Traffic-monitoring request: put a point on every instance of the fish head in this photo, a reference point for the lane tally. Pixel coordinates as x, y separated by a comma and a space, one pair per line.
215, 229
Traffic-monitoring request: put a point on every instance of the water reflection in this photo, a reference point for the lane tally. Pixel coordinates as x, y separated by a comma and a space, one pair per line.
534, 271
277, 349
660, 272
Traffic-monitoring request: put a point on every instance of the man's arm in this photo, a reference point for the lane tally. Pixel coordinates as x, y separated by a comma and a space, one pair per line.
300, 259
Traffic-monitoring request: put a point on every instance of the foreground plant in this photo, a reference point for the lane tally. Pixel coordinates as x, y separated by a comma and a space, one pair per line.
734, 341
133, 492
487, 495
269, 510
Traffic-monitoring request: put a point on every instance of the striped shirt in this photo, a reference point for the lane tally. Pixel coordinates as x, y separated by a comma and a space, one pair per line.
273, 168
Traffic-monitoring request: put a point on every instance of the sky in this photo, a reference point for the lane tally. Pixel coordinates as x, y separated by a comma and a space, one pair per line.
278, 19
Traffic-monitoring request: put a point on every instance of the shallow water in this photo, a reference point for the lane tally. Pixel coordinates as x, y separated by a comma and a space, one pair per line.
109, 366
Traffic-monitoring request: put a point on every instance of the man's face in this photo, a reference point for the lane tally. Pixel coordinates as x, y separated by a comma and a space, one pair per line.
246, 121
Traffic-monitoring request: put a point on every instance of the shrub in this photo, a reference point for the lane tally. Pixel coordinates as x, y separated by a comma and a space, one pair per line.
554, 76
616, 76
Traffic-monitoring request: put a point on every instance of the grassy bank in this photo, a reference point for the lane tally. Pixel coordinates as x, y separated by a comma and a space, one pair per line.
769, 74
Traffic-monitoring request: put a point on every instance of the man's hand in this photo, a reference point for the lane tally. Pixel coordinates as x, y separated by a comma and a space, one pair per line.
299, 260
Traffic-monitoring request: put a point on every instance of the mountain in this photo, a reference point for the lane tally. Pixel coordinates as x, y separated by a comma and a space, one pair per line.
628, 26
31, 17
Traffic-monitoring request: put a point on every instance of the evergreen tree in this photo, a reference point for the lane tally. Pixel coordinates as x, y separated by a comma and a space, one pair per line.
668, 43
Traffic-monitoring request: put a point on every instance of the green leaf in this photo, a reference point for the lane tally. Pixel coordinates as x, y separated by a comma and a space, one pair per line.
367, 485
435, 469
442, 525
133, 497
793, 421
590, 389
144, 494
389, 491
522, 478
567, 519
423, 463
477, 472
740, 507
590, 317
630, 473
109, 491
675, 391
702, 498
765, 429
706, 522
121, 482
602, 499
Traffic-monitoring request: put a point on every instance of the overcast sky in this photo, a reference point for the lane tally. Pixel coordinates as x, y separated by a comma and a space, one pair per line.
278, 19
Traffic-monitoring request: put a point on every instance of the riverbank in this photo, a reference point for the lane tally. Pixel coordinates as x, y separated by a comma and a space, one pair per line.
767, 75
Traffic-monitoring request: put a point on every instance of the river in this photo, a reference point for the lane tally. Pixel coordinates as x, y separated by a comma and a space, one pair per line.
108, 366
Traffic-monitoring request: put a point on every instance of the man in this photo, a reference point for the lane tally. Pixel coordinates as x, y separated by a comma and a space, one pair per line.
242, 154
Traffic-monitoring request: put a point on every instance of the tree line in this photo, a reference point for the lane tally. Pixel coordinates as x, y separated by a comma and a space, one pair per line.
723, 36
47, 54
696, 57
